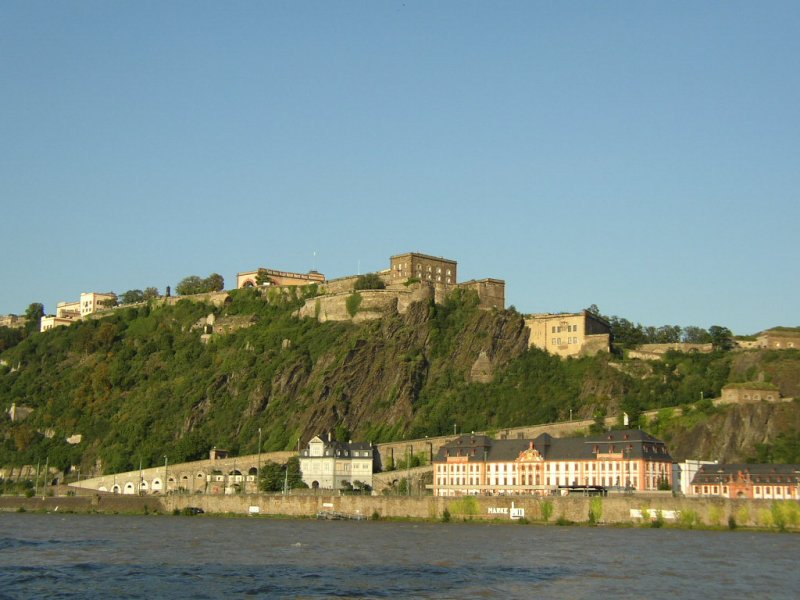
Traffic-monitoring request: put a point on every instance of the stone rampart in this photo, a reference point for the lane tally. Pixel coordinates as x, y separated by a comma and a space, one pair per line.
213, 298
340, 285
374, 304
657, 351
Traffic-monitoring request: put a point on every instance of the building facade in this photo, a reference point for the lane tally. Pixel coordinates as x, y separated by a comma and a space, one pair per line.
328, 464
477, 464
48, 323
683, 473
569, 334
279, 278
423, 267
491, 292
69, 312
756, 481
748, 392
779, 338
91, 302
12, 321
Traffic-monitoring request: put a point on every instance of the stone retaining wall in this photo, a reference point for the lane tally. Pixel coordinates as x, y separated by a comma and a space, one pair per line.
636, 509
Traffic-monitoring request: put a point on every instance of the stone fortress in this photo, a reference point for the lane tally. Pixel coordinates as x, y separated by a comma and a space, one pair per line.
410, 277
413, 277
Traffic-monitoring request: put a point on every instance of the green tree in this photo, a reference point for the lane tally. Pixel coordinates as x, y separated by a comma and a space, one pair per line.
599, 425
295, 477
131, 297
33, 316
197, 285
149, 293
190, 285
721, 337
668, 334
263, 278
271, 477
370, 281
695, 335
109, 302
626, 334
9, 337
214, 283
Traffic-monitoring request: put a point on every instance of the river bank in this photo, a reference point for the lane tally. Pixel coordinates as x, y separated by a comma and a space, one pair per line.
613, 510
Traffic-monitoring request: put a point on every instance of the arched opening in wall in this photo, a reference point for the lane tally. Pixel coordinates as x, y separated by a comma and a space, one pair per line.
143, 487
158, 485
253, 471
116, 489
248, 284
185, 483
740, 495
201, 475
102, 488
315, 485
129, 488
227, 300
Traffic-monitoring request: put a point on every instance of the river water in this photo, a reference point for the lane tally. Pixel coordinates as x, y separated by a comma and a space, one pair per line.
92, 556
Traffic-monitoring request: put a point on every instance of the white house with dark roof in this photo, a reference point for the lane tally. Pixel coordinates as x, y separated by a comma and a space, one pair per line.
754, 481
328, 464
477, 464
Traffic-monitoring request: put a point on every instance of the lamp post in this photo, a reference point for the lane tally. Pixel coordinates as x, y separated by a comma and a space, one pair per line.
258, 467
44, 483
408, 468
165, 475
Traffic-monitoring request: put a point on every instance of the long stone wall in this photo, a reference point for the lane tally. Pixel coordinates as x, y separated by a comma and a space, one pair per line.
202, 476
636, 509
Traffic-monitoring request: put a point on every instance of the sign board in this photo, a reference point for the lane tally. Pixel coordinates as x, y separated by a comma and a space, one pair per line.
254, 510
513, 512
652, 514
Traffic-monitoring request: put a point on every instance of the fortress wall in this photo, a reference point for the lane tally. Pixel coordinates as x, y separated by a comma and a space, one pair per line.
333, 307
215, 298
339, 286
592, 344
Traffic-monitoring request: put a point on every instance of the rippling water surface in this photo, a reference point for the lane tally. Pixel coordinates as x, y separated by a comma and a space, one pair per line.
70, 556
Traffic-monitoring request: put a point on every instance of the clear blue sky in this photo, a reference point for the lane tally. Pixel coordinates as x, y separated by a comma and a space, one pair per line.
642, 156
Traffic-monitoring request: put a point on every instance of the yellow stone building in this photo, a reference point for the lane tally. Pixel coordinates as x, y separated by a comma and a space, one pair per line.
423, 267
569, 334
279, 278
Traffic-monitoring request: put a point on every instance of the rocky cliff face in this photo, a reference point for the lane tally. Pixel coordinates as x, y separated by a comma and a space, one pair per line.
733, 435
374, 383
